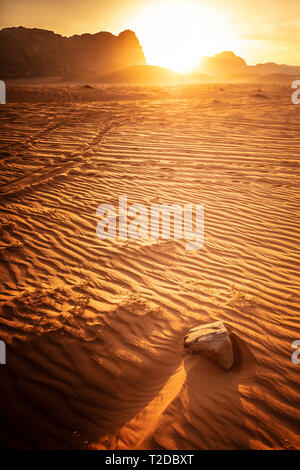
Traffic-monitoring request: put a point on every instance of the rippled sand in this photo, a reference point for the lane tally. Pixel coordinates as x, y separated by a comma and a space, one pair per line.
94, 329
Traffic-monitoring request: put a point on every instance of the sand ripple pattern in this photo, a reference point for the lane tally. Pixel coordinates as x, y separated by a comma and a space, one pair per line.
95, 328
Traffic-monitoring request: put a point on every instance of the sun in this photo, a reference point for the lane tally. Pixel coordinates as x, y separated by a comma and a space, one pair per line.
176, 34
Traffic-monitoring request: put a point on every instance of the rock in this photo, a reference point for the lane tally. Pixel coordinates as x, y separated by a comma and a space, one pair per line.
223, 63
32, 52
213, 341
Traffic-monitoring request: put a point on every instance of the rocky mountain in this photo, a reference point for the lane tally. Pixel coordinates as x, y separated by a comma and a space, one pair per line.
227, 63
223, 63
26, 52
272, 68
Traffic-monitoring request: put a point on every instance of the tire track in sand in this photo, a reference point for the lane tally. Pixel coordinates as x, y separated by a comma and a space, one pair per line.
44, 174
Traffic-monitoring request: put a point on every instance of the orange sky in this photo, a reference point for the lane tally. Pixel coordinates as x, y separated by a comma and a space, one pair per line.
174, 33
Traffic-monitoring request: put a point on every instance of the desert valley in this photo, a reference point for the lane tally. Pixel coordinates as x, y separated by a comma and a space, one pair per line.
94, 329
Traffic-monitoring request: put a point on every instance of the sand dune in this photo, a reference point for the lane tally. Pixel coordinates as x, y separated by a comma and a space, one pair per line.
95, 328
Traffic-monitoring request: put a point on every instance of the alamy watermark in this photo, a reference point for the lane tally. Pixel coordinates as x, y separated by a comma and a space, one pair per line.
2, 352
137, 222
2, 92
296, 354
296, 94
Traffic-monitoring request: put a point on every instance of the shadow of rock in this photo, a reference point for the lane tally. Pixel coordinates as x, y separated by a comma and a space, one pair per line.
217, 418
209, 412
61, 392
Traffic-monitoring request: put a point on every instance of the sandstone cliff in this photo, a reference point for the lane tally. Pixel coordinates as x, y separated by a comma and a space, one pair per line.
35, 52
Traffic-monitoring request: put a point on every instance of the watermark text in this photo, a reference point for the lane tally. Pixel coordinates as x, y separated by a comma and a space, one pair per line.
162, 221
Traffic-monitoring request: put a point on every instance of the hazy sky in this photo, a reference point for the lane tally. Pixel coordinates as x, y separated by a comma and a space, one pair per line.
259, 30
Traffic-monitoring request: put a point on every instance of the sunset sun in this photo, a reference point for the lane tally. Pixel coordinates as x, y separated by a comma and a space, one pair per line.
177, 34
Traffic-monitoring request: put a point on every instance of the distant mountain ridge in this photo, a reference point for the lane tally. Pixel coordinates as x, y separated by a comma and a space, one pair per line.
228, 62
26, 52
107, 58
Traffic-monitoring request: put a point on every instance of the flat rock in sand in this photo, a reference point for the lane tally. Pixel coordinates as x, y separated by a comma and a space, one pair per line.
213, 340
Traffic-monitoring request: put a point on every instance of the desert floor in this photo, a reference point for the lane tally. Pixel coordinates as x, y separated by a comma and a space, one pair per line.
94, 329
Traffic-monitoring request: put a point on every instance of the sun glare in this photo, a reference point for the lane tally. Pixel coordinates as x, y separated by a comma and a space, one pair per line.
176, 34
